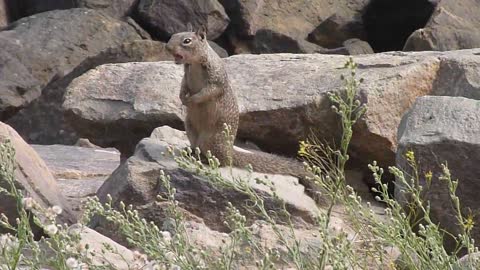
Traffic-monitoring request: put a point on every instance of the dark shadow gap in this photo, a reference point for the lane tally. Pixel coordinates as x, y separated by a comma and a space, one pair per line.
389, 23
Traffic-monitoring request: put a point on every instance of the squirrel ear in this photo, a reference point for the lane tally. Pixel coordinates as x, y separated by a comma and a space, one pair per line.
202, 32
189, 27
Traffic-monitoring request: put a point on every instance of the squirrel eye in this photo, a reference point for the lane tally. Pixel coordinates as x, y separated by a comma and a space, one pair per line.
187, 41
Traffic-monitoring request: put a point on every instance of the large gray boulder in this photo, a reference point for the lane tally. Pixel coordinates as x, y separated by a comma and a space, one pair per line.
167, 17
459, 75
43, 122
32, 178
469, 262
45, 47
3, 14
267, 41
283, 26
444, 130
115, 256
454, 25
282, 97
23, 8
131, 115
79, 171
355, 46
136, 182
337, 28
292, 18
71, 163
114, 8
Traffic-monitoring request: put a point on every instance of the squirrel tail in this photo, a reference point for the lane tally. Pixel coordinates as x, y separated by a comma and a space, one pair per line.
273, 164
268, 163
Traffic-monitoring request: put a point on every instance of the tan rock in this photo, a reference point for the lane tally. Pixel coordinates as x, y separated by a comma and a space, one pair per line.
283, 26
79, 171
70, 35
136, 182
33, 178
281, 96
119, 257
443, 130
454, 25
3, 14
166, 18
43, 121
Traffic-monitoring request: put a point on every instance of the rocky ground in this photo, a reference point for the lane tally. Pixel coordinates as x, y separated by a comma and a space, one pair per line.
89, 98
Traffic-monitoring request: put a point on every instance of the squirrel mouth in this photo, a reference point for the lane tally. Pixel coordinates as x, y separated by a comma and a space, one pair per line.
178, 58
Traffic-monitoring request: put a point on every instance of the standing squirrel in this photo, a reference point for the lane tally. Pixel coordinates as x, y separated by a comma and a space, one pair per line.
210, 101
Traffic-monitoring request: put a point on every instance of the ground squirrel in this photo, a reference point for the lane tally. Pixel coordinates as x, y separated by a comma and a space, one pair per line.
210, 101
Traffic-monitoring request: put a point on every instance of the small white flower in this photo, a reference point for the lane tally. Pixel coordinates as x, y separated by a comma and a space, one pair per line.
138, 255
28, 203
72, 263
166, 236
3, 218
52, 212
80, 247
3, 239
57, 209
156, 267
170, 256
175, 267
153, 265
8, 242
51, 229
139, 259
3, 243
69, 248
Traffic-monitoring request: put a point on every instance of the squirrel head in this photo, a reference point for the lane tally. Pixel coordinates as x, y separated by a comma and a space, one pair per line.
188, 47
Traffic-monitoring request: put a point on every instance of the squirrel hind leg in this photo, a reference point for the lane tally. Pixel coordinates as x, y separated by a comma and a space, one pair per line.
192, 134
217, 146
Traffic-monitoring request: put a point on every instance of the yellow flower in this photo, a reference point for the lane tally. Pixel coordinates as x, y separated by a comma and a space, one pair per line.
468, 223
410, 156
303, 149
428, 177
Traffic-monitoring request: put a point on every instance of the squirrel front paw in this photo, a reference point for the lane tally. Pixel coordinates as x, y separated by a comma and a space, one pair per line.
195, 99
